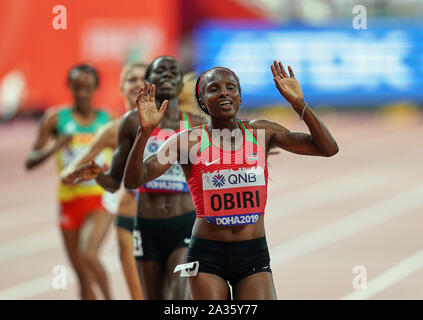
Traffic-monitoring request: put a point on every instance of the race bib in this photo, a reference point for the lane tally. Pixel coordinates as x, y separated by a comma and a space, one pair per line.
189, 269
234, 197
172, 180
138, 251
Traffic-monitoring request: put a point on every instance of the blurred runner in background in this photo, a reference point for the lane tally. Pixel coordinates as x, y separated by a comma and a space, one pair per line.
123, 203
165, 209
84, 222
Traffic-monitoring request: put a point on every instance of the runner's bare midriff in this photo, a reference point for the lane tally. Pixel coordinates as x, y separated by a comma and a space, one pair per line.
164, 205
205, 230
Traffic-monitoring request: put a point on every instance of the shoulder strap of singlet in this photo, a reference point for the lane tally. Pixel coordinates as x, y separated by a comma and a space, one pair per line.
204, 139
102, 116
249, 136
63, 117
186, 119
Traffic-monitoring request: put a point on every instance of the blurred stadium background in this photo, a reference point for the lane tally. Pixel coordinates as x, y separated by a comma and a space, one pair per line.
362, 207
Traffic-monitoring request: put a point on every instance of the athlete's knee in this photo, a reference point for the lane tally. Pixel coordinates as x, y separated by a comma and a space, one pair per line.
80, 265
91, 257
83, 274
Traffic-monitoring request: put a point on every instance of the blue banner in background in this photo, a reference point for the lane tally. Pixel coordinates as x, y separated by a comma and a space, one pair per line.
335, 64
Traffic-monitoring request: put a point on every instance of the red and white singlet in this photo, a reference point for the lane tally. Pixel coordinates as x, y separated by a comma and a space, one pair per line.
229, 188
173, 180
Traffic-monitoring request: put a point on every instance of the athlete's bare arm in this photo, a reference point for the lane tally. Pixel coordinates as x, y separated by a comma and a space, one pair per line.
296, 142
149, 117
318, 143
112, 179
139, 171
106, 137
38, 153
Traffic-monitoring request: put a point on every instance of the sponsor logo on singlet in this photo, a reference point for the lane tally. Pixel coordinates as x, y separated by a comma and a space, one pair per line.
219, 180
153, 147
234, 197
228, 178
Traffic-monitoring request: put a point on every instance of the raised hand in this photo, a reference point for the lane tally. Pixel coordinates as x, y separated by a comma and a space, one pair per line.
288, 86
148, 113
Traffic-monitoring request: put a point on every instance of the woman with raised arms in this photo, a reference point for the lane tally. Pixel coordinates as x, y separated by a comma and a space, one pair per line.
227, 177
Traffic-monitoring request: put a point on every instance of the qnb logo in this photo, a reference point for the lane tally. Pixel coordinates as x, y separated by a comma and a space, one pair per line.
242, 178
219, 180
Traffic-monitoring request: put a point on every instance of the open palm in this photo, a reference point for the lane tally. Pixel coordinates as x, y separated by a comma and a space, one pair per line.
148, 113
288, 86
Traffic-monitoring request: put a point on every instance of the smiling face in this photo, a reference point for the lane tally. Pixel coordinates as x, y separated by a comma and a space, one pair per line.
132, 82
219, 93
166, 75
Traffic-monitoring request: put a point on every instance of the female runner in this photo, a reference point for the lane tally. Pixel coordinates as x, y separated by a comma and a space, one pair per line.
165, 212
227, 177
132, 80
83, 220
